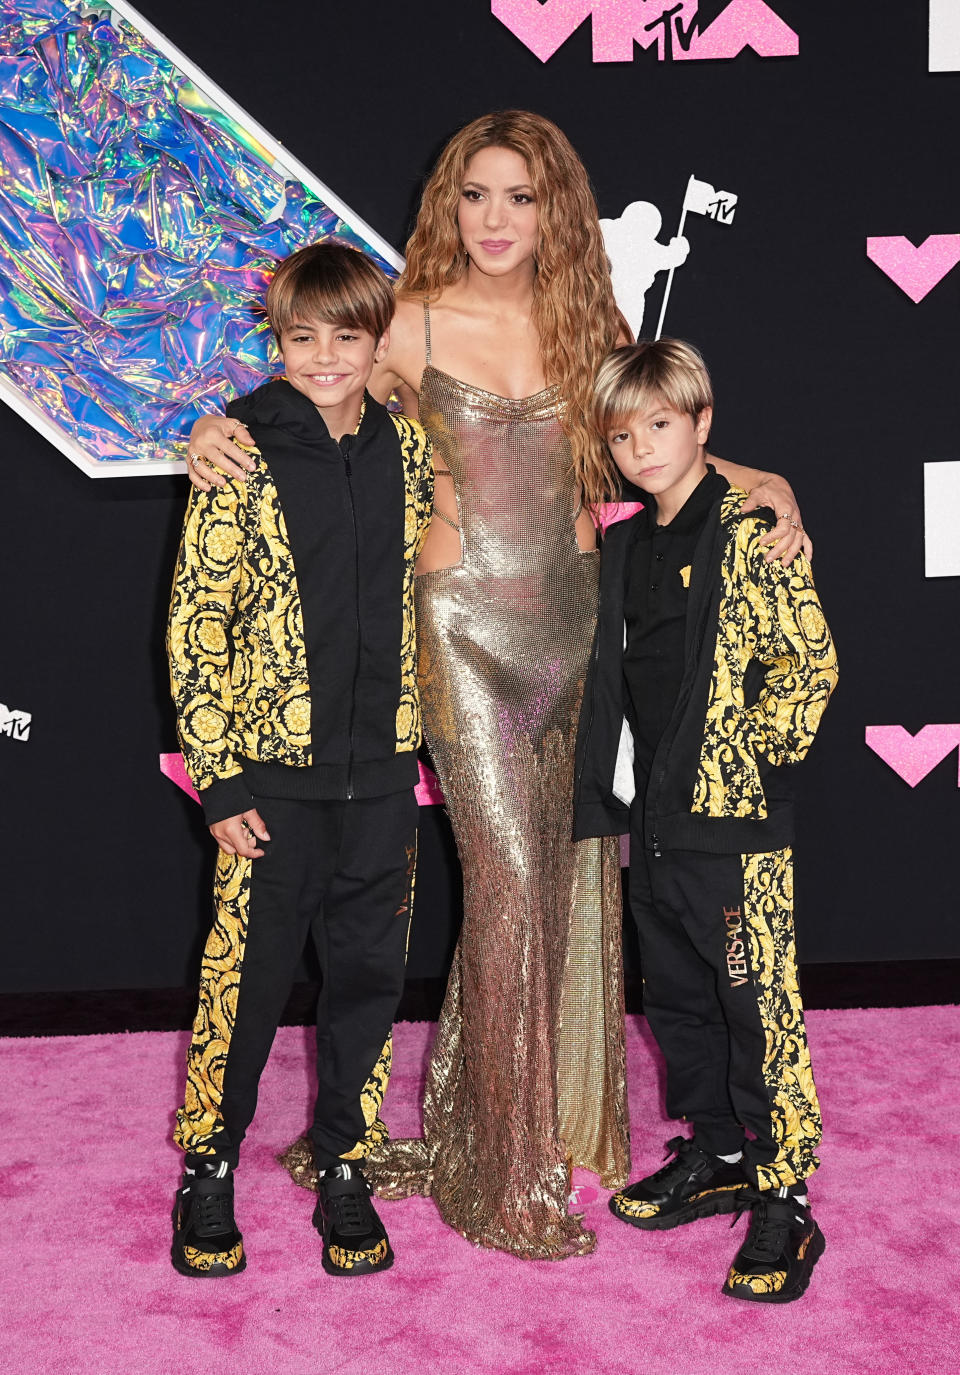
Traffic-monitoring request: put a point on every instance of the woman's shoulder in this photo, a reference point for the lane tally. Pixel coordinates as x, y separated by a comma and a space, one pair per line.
407, 348
409, 311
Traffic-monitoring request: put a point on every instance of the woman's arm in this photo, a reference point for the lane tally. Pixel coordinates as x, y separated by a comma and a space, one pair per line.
788, 536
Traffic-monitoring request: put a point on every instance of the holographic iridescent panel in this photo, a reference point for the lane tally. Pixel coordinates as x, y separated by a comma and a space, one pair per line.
140, 222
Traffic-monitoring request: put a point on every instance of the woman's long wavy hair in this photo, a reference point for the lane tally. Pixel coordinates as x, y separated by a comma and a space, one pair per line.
574, 310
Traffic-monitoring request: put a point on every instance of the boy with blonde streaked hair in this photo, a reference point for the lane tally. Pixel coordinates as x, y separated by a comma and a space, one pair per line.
711, 671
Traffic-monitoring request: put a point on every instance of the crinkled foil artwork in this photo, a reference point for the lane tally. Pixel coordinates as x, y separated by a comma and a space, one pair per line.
142, 214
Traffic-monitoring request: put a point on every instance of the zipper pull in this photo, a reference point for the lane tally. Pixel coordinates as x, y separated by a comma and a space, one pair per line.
657, 852
346, 448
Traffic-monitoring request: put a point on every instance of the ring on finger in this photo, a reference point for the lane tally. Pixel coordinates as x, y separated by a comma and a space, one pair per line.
195, 460
797, 526
785, 515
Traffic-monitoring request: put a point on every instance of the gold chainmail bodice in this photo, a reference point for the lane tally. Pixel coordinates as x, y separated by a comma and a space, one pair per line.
527, 1070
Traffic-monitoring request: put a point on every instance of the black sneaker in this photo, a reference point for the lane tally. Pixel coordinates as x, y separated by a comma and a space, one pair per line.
694, 1184
783, 1245
206, 1242
354, 1239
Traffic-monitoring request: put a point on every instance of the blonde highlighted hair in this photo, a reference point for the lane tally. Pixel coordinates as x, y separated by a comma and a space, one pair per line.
574, 310
332, 283
638, 376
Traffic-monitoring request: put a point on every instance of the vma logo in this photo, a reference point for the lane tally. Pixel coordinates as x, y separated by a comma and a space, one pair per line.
672, 26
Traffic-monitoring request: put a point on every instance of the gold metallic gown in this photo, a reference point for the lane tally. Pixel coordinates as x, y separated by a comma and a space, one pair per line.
527, 1069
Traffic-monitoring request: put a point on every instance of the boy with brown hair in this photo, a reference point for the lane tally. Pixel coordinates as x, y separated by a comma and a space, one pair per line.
711, 670
292, 661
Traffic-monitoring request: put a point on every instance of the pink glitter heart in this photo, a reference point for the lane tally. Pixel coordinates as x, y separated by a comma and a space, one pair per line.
913, 756
916, 271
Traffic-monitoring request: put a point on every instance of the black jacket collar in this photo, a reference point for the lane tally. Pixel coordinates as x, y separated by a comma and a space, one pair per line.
280, 406
693, 512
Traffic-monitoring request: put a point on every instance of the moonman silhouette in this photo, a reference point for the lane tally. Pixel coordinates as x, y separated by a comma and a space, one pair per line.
636, 256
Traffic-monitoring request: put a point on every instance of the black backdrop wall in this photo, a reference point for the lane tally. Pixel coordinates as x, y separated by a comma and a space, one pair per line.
825, 370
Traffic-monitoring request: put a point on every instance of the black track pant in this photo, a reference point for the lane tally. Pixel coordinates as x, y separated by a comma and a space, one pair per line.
342, 873
720, 994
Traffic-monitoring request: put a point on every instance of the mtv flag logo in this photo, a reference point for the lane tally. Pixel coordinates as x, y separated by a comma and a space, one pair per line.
16, 724
702, 199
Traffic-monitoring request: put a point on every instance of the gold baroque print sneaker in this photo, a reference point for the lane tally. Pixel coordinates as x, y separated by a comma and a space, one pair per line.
694, 1184
206, 1242
354, 1239
783, 1245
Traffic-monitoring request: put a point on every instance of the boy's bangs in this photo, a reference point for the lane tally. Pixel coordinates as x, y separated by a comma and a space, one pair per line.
332, 284
632, 397
638, 377
326, 302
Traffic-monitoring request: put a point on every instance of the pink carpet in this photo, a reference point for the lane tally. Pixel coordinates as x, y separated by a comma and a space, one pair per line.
89, 1176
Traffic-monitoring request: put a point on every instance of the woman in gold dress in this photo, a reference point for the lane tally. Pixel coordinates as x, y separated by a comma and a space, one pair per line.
505, 310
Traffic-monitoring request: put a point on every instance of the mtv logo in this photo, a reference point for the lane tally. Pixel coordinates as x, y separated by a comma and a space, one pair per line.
723, 208
16, 724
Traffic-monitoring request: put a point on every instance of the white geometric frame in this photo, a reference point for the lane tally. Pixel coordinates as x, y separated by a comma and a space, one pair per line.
282, 161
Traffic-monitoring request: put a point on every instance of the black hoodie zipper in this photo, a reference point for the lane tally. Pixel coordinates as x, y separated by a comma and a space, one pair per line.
346, 445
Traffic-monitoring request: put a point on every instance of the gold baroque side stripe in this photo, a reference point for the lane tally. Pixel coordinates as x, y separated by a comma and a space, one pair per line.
371, 1101
795, 1110
216, 1015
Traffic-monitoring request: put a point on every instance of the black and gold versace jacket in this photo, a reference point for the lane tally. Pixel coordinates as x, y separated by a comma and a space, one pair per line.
291, 637
759, 667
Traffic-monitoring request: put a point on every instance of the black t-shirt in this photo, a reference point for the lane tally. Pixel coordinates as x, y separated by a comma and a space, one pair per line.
655, 609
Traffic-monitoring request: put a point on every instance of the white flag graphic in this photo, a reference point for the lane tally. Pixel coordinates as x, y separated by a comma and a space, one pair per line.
702, 199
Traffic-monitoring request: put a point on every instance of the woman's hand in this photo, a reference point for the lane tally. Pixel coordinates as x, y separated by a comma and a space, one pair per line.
788, 537
210, 448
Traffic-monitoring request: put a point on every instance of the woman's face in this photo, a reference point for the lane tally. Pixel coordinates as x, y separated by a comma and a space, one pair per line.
497, 213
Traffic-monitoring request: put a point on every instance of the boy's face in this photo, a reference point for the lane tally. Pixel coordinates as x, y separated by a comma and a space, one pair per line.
662, 450
331, 364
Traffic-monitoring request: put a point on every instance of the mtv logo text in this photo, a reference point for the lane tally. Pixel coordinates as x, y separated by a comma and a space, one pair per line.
16, 724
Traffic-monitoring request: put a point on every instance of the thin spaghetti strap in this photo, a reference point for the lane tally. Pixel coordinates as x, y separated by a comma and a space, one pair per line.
426, 326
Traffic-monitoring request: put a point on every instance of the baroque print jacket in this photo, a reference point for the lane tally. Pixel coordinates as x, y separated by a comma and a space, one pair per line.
759, 667
291, 638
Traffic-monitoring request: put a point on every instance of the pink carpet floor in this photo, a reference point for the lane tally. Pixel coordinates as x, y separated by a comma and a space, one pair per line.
88, 1177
